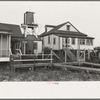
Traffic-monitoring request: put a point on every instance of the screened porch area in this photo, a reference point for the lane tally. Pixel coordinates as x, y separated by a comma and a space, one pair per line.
5, 47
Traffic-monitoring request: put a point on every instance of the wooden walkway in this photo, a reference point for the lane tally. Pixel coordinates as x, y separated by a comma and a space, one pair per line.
63, 66
77, 67
91, 64
36, 62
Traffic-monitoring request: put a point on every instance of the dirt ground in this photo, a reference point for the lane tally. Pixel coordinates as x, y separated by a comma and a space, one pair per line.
45, 74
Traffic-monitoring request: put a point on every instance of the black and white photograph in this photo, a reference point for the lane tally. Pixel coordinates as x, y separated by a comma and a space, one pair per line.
49, 41
49, 49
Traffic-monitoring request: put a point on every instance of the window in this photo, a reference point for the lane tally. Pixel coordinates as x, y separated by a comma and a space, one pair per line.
82, 41
68, 27
73, 40
17, 46
35, 45
54, 40
89, 42
49, 39
67, 40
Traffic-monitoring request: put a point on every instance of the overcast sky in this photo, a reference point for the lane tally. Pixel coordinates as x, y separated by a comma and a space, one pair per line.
85, 16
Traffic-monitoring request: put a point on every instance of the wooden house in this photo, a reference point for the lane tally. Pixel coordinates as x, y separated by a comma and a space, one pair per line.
5, 38
66, 35
10, 40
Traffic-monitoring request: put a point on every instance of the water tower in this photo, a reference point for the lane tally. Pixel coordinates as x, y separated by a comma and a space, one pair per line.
29, 26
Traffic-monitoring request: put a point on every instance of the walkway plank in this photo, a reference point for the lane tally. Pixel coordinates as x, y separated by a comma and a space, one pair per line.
77, 67
92, 64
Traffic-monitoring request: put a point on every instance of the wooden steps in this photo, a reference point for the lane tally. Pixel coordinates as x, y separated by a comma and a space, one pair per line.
70, 54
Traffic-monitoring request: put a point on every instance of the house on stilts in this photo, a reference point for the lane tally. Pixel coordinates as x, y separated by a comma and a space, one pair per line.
65, 36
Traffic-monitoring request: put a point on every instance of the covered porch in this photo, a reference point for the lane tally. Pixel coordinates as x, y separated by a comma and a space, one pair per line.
15, 44
5, 51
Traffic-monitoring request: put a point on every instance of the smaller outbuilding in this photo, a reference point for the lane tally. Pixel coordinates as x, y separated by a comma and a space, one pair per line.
33, 44
10, 40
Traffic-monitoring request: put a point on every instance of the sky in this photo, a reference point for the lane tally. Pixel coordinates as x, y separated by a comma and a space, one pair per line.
85, 16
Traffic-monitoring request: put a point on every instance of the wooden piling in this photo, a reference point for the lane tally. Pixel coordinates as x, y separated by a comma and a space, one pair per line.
65, 56
51, 56
11, 64
84, 55
88, 54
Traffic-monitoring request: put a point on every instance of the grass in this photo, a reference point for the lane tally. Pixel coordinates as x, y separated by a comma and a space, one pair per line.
45, 74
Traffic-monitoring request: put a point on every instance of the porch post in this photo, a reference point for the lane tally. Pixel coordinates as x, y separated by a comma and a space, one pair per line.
65, 55
1, 45
7, 44
84, 55
10, 52
77, 49
24, 47
89, 54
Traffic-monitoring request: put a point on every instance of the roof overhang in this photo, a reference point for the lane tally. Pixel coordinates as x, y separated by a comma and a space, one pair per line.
73, 36
5, 32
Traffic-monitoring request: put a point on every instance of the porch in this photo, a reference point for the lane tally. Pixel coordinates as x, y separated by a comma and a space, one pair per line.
5, 47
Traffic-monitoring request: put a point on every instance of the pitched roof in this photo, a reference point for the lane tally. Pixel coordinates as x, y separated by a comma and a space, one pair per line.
74, 36
70, 33
56, 31
15, 29
59, 26
50, 26
4, 28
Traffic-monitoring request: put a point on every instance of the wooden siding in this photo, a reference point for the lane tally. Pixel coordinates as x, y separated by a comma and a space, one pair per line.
39, 47
75, 46
59, 43
4, 42
49, 28
51, 45
64, 28
5, 48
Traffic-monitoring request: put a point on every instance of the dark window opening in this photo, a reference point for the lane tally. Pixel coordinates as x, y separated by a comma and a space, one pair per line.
89, 42
68, 27
82, 41
54, 40
48, 39
73, 41
67, 40
35, 45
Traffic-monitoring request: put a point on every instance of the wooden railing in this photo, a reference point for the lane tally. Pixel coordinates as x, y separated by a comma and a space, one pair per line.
5, 53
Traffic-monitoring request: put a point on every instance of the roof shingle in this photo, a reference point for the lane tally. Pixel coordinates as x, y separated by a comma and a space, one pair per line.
63, 33
15, 29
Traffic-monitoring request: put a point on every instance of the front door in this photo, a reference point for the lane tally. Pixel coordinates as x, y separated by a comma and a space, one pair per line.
66, 42
17, 45
14, 46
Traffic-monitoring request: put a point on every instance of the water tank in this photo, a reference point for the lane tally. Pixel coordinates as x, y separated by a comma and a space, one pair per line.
28, 18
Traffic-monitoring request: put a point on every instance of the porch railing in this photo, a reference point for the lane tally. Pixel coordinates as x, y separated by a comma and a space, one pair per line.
5, 53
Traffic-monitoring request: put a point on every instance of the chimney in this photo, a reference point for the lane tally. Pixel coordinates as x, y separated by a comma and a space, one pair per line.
45, 28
